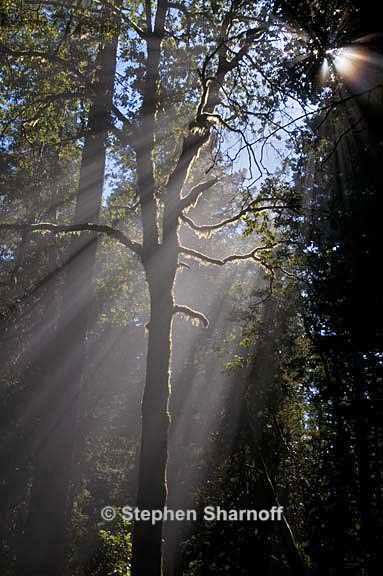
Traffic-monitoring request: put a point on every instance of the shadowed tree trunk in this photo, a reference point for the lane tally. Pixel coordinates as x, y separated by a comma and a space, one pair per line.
155, 423
45, 531
151, 494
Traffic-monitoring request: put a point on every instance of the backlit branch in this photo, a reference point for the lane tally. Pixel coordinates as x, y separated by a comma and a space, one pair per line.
218, 225
232, 257
87, 227
193, 314
191, 198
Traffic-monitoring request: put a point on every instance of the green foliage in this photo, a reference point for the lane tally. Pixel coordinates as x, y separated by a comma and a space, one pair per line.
114, 553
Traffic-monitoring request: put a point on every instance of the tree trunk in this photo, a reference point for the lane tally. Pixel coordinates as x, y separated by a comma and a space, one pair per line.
152, 491
44, 538
160, 264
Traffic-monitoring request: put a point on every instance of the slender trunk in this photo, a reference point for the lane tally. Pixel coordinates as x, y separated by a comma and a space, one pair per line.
152, 488
160, 270
160, 266
45, 532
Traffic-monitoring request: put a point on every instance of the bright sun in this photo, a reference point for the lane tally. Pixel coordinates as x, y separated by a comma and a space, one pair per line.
348, 62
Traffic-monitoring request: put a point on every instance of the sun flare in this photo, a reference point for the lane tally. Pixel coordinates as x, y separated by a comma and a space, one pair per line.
349, 62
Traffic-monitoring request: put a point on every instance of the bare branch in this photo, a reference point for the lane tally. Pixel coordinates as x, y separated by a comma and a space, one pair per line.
192, 198
193, 314
218, 225
232, 257
87, 227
